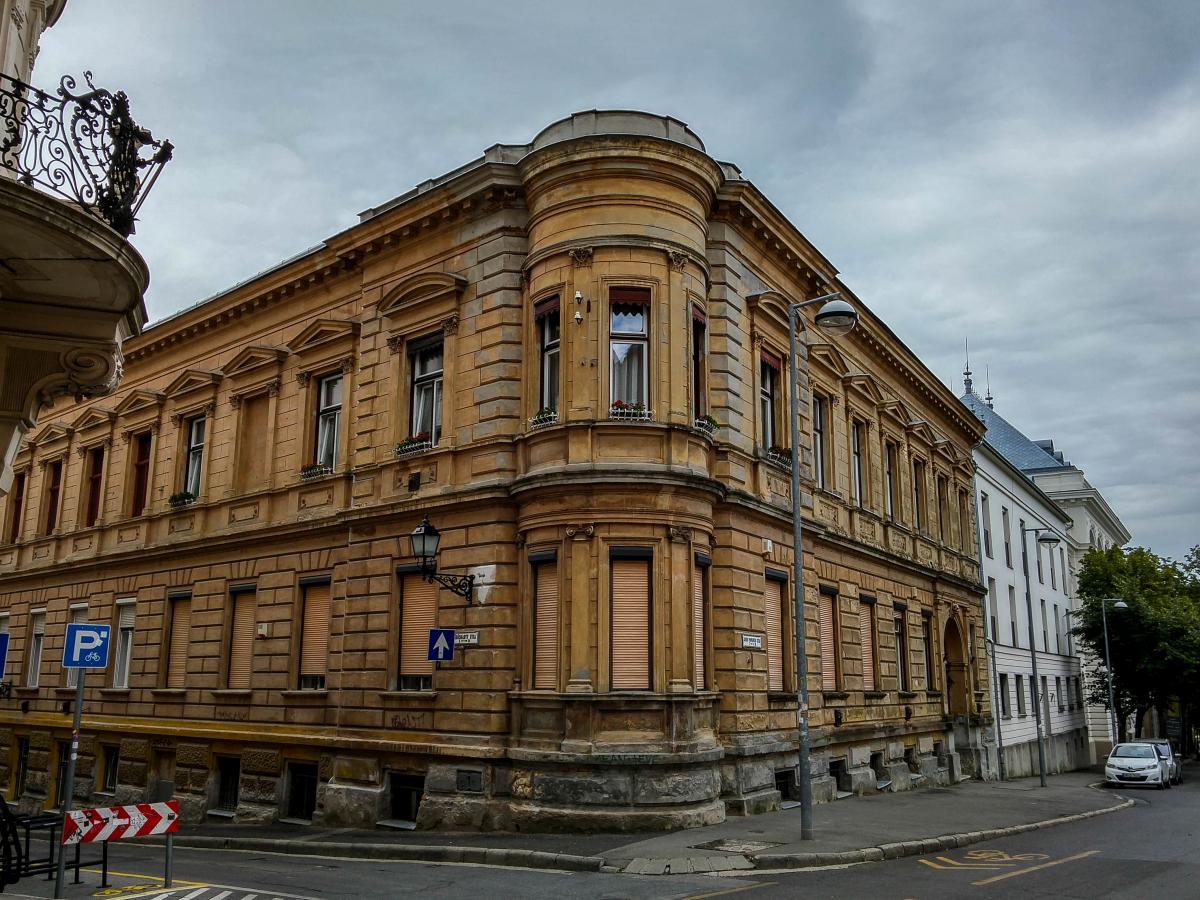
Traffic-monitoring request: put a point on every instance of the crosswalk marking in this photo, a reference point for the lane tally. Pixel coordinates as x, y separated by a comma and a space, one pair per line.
222, 895
194, 894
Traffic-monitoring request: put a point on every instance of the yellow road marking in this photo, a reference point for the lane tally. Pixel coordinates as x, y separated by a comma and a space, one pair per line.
952, 864
174, 881
1045, 865
736, 890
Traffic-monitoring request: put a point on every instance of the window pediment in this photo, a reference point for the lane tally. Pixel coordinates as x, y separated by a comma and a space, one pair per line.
94, 418
52, 433
865, 386
920, 428
830, 357
422, 289
898, 412
254, 358
323, 333
138, 401
192, 380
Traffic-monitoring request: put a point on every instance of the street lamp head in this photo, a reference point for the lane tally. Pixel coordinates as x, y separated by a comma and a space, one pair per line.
1048, 539
425, 539
1120, 604
836, 317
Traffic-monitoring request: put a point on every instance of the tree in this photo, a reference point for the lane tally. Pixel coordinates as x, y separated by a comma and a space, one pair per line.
1155, 641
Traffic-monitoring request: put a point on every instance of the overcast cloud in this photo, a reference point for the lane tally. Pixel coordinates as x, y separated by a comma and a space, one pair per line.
1024, 174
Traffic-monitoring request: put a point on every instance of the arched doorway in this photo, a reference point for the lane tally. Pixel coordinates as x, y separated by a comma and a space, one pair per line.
957, 679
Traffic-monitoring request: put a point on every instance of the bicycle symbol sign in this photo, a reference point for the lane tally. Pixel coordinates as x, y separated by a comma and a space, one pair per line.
86, 646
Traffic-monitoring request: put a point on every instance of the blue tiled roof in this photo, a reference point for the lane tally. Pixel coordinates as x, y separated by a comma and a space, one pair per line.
1002, 437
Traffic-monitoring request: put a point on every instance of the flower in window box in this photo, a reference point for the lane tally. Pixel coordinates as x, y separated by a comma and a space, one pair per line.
544, 416
422, 440
707, 424
181, 498
315, 470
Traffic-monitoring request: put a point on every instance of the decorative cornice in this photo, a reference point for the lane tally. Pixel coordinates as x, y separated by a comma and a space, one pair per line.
676, 260
450, 325
273, 387
679, 534
302, 378
395, 342
581, 532
580, 256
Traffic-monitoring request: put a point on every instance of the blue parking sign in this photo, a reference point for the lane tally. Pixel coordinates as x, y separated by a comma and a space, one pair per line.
86, 646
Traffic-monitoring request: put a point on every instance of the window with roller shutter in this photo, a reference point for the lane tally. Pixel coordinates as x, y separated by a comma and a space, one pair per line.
181, 627
700, 623
418, 614
241, 638
831, 670
866, 636
773, 593
545, 622
631, 636
123, 646
314, 635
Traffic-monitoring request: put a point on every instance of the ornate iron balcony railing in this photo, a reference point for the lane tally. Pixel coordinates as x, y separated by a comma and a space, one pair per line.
84, 148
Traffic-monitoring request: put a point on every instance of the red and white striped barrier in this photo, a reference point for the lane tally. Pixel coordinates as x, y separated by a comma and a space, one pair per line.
114, 823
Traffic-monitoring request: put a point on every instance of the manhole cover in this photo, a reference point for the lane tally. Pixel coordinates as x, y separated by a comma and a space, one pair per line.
730, 846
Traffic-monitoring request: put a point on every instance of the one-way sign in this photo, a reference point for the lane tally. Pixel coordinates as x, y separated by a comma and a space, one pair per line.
441, 644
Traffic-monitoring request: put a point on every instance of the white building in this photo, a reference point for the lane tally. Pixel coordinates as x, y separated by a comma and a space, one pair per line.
1012, 510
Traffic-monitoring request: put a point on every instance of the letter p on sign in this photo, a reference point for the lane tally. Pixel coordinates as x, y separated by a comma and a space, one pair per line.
86, 646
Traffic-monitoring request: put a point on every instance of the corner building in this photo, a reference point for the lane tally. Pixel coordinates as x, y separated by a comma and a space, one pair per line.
570, 356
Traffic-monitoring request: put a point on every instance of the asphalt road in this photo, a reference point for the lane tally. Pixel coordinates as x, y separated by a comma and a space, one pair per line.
1149, 851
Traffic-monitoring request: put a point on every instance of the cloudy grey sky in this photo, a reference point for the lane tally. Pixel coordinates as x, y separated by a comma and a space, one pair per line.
1025, 174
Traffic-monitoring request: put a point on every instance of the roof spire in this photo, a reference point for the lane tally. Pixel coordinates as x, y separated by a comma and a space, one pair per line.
988, 398
967, 370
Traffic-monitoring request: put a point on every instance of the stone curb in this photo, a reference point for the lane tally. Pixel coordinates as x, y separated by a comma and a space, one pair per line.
918, 847
491, 856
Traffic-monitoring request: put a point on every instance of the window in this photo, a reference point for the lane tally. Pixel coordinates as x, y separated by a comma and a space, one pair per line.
37, 636
699, 626
94, 486
629, 346
140, 482
918, 474
54, 473
1058, 693
16, 503
254, 451
699, 363
964, 521
985, 517
329, 420
773, 591
991, 603
1012, 615
426, 362
1045, 640
1045, 704
78, 614
857, 452
1062, 566
1079, 692
827, 614
943, 509
418, 614
891, 493
545, 625
241, 639
768, 399
866, 637
1007, 529
630, 623
1005, 702
820, 415
901, 631
314, 635
123, 649
1053, 570
302, 790
546, 315
1037, 548
22, 768
1057, 631
229, 778
181, 632
111, 758
1021, 695
927, 646
194, 458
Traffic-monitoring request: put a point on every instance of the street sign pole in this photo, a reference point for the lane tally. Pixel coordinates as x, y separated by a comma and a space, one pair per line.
69, 789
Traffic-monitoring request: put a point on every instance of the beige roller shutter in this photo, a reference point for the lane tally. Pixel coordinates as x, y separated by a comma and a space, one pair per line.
698, 668
418, 614
545, 660
241, 641
774, 627
128, 610
866, 632
630, 624
314, 647
828, 658
181, 628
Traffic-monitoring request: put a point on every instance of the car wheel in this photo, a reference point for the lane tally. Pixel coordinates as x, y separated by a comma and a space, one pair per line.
1162, 785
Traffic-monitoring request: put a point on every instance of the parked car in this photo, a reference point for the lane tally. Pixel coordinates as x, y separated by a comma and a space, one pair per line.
1167, 752
1137, 763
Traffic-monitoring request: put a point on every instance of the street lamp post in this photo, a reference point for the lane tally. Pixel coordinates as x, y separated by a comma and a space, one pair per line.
1047, 539
835, 317
1112, 706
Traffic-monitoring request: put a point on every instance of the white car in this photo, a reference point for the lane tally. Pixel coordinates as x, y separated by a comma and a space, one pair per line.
1137, 763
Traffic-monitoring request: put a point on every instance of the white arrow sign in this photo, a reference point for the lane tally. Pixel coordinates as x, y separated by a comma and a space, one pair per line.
441, 646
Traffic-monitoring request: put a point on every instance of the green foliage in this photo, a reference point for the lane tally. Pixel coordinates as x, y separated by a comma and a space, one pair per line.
1154, 641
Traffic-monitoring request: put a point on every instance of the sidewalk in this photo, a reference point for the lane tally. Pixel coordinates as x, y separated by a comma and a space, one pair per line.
856, 829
